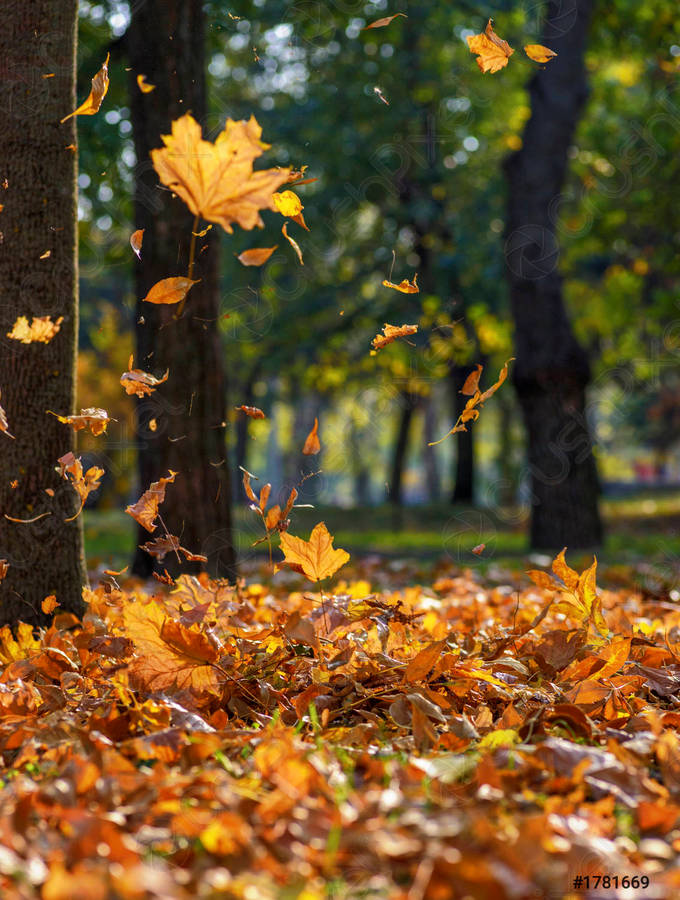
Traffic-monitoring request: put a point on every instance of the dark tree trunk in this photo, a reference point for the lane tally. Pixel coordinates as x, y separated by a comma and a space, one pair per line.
551, 371
165, 42
394, 488
464, 466
433, 484
38, 192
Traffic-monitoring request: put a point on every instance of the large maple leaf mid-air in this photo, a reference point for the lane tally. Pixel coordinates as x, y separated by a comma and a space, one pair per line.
315, 558
217, 181
492, 52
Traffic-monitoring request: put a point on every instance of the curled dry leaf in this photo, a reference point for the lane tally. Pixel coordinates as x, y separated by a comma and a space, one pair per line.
294, 244
405, 286
4, 425
315, 558
391, 333
170, 290
159, 547
136, 239
96, 420
312, 443
217, 181
256, 256
476, 401
492, 52
49, 604
471, 385
145, 509
253, 411
41, 330
144, 85
100, 85
539, 53
135, 381
71, 469
288, 204
381, 23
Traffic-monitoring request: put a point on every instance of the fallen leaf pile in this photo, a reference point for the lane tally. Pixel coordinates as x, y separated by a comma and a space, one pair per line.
213, 740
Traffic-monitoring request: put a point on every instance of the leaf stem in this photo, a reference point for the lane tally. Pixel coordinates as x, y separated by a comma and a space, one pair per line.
192, 259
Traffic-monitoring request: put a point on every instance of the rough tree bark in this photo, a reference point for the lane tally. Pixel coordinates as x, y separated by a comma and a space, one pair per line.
165, 41
38, 193
464, 465
551, 371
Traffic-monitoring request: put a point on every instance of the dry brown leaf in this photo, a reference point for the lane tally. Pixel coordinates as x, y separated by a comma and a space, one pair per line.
49, 604
159, 547
421, 664
405, 286
293, 243
471, 412
145, 509
170, 290
256, 256
381, 23
312, 443
288, 204
144, 85
135, 381
136, 239
71, 469
539, 53
315, 558
253, 411
391, 333
471, 385
96, 420
492, 52
217, 181
42, 329
100, 85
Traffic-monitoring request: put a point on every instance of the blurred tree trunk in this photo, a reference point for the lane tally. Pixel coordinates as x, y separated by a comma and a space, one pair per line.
433, 485
166, 42
464, 466
552, 370
38, 192
408, 406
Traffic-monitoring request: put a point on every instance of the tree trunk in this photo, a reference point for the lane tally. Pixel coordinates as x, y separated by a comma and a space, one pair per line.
433, 485
394, 489
165, 42
464, 467
551, 371
38, 192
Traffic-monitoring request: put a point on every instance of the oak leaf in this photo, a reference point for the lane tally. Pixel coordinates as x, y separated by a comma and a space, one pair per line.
312, 443
391, 333
170, 290
256, 256
315, 558
217, 180
405, 286
100, 85
42, 329
135, 381
96, 420
492, 52
539, 53
145, 509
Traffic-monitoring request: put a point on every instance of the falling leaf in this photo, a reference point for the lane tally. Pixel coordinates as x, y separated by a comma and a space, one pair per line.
159, 547
217, 181
379, 94
135, 381
100, 85
94, 419
479, 549
315, 558
471, 385
145, 509
253, 411
294, 244
136, 239
312, 443
4, 568
492, 52
539, 53
42, 329
391, 333
144, 85
4, 424
46, 254
381, 23
256, 256
405, 286
170, 290
71, 469
49, 604
471, 412
288, 204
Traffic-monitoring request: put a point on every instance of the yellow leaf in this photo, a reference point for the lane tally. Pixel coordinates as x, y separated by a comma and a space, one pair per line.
539, 53
288, 204
144, 85
315, 558
170, 290
94, 419
135, 381
391, 333
492, 52
216, 180
501, 737
405, 286
42, 329
100, 85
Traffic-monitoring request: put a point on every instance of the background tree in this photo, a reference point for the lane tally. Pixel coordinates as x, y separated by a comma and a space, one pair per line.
552, 371
38, 195
189, 411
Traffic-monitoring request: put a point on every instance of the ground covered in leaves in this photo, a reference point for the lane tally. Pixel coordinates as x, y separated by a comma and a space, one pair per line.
205, 740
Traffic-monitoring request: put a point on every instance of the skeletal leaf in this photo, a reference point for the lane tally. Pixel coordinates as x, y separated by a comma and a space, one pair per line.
312, 443
135, 381
539, 53
293, 243
405, 286
145, 509
170, 290
100, 85
41, 330
315, 558
96, 420
391, 333
492, 52
256, 256
136, 239
217, 180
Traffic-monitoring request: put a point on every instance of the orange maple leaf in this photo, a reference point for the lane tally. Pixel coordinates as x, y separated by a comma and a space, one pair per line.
145, 509
135, 381
96, 420
42, 329
315, 558
492, 52
217, 181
